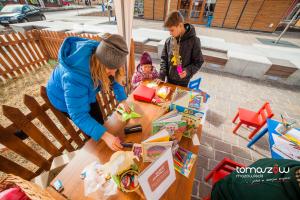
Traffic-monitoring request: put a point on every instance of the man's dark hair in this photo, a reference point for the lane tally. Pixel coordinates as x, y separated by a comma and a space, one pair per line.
173, 19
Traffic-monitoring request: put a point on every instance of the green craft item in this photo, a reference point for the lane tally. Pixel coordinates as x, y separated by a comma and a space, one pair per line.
126, 116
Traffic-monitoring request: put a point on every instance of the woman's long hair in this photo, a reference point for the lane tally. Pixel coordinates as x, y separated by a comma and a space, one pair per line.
100, 76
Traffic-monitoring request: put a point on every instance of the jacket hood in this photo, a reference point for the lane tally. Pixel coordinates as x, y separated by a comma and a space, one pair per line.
189, 32
75, 54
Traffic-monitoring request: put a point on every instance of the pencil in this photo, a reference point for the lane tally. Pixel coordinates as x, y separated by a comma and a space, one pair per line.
178, 163
178, 156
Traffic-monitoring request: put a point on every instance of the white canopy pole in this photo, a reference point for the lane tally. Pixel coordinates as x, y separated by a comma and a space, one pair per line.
124, 13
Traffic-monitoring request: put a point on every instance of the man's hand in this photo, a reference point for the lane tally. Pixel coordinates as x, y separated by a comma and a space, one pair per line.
182, 75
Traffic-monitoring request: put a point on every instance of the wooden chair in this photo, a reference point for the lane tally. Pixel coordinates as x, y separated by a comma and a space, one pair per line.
70, 142
253, 119
225, 167
107, 103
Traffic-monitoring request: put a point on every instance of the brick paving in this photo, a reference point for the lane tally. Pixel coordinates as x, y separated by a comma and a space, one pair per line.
228, 92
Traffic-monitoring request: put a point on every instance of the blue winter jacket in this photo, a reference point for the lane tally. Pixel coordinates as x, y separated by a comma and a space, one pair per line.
71, 89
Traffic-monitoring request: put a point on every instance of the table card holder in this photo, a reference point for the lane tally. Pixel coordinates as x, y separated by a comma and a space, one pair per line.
158, 177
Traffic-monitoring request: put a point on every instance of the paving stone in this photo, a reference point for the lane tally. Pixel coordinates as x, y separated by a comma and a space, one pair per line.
205, 174
256, 155
243, 142
219, 155
222, 146
206, 151
204, 190
195, 198
207, 141
243, 161
199, 174
230, 138
195, 191
241, 152
202, 161
211, 164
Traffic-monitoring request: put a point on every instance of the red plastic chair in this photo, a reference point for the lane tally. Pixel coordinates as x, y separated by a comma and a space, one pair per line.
225, 167
253, 119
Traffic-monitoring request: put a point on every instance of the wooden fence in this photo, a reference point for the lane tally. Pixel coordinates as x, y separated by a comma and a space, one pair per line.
23, 122
20, 53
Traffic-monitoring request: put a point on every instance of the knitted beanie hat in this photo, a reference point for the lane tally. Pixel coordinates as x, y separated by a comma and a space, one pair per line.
145, 59
112, 51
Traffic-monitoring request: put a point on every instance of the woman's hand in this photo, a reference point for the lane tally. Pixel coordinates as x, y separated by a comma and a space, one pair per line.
113, 142
124, 105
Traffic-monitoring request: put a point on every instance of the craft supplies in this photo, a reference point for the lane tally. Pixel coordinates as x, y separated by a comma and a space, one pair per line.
184, 161
133, 129
163, 92
126, 116
155, 145
172, 122
127, 144
143, 93
129, 181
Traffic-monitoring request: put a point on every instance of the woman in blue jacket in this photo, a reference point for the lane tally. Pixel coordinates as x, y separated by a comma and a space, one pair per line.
85, 67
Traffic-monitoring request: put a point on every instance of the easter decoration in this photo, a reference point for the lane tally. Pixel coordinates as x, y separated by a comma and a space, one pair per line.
126, 116
176, 59
123, 170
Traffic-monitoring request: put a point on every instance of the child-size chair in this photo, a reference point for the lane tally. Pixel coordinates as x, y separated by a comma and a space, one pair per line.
225, 167
253, 119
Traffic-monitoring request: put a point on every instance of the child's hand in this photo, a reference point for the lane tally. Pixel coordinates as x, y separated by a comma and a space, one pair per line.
157, 81
182, 75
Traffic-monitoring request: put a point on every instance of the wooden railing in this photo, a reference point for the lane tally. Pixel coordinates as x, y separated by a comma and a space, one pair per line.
52, 40
24, 123
20, 53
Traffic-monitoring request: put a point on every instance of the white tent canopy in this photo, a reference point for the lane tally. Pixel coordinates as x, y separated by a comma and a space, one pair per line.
124, 13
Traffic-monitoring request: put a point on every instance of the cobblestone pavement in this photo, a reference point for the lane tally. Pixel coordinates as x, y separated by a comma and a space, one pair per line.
228, 92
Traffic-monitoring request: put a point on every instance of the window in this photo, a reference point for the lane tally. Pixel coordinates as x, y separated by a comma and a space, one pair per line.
12, 8
32, 8
26, 9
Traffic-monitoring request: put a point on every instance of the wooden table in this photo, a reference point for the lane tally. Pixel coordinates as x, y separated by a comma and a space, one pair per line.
98, 151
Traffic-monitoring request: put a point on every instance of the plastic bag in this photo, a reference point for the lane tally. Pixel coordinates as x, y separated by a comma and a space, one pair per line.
96, 185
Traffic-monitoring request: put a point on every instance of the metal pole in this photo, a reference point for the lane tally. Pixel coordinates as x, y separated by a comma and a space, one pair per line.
287, 26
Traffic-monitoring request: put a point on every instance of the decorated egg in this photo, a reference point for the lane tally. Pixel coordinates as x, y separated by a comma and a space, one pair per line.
126, 181
135, 181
